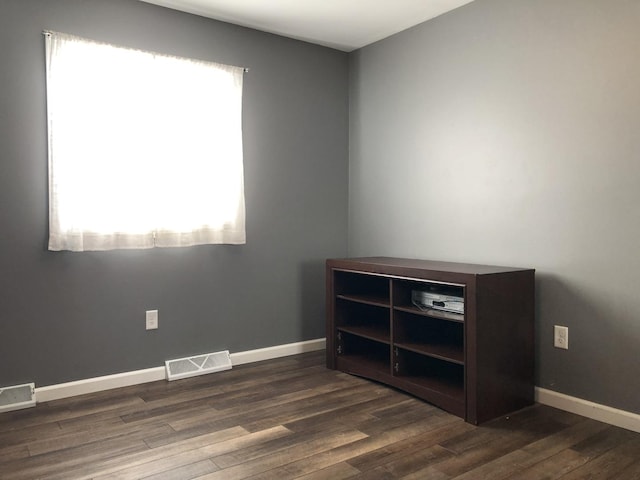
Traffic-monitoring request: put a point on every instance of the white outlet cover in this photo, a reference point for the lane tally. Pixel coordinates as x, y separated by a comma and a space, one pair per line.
561, 337
152, 319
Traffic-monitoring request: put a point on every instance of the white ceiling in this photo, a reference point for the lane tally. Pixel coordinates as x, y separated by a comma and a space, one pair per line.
342, 24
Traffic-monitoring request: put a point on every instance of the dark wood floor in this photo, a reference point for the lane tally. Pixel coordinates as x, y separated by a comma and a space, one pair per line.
293, 418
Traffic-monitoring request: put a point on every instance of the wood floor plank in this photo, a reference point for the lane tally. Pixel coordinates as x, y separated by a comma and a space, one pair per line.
505, 466
268, 462
53, 463
355, 449
576, 456
291, 418
427, 473
354, 415
631, 472
28, 434
405, 443
72, 439
416, 460
166, 409
609, 464
14, 452
158, 460
339, 471
499, 438
58, 411
185, 472
565, 438
378, 473
553, 467
133, 459
199, 424
239, 410
603, 441
281, 383
291, 407
310, 406
279, 445
386, 422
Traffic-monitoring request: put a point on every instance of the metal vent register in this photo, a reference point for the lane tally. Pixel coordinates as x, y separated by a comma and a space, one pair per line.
198, 365
17, 397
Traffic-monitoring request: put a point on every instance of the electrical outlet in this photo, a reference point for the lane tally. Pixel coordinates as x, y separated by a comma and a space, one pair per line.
152, 319
561, 337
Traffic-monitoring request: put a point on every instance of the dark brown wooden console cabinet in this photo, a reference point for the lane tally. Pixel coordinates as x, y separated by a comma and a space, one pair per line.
477, 364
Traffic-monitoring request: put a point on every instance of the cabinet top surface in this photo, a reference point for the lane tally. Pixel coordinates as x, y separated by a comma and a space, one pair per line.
388, 264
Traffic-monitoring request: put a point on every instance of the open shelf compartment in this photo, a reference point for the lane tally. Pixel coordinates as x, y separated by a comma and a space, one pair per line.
444, 378
429, 336
370, 355
403, 298
369, 321
363, 288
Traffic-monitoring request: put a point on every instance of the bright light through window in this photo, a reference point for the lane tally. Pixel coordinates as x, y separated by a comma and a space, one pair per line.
144, 149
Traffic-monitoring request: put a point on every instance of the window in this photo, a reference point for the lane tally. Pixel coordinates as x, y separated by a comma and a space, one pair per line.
145, 149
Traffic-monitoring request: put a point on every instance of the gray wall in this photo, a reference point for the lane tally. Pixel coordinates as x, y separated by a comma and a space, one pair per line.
66, 316
508, 132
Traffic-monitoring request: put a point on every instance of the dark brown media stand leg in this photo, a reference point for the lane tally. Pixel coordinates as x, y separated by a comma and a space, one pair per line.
475, 362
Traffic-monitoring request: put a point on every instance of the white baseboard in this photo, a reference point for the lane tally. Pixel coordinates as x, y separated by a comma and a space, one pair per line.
277, 351
98, 384
596, 411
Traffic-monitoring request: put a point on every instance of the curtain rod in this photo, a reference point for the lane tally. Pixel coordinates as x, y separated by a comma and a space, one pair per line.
48, 33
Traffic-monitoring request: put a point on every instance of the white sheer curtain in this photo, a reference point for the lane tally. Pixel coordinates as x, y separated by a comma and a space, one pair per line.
144, 149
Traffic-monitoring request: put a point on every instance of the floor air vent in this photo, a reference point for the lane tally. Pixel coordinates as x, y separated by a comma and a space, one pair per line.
198, 365
17, 397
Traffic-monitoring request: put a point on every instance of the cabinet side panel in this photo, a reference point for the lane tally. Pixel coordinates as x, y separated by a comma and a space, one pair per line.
471, 349
505, 343
330, 326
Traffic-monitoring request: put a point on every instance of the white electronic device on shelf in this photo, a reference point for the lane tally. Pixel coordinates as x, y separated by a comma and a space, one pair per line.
437, 301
